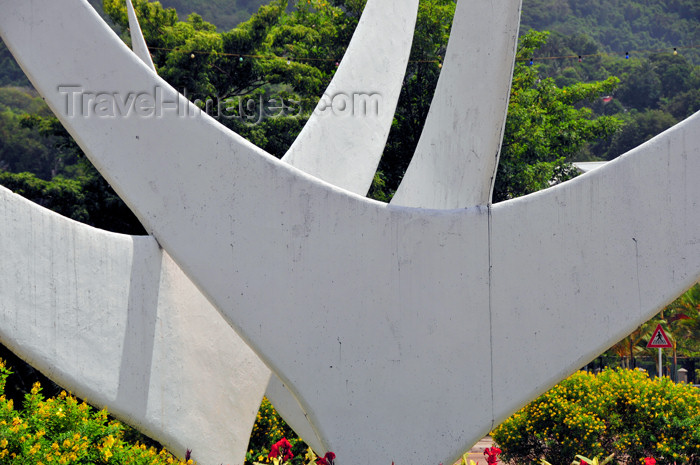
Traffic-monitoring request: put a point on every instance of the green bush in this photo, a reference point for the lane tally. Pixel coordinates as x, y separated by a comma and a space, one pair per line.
64, 431
618, 411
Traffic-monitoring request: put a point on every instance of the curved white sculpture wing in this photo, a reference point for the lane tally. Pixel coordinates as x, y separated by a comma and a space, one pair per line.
113, 318
282, 399
457, 155
579, 266
345, 137
138, 43
331, 136
378, 317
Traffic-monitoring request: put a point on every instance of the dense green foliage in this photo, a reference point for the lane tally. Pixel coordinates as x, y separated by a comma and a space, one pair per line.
546, 126
621, 25
226, 14
618, 411
656, 90
22, 147
62, 430
10, 72
276, 57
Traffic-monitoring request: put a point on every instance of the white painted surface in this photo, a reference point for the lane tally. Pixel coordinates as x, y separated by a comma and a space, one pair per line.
138, 43
457, 155
579, 266
344, 139
276, 391
112, 318
399, 330
344, 147
149, 376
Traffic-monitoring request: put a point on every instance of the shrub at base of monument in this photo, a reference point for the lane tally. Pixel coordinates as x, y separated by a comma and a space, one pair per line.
269, 429
63, 431
281, 454
623, 412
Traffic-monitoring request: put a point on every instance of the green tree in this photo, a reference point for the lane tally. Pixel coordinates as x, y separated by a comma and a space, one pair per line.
10, 72
639, 128
429, 45
24, 146
546, 127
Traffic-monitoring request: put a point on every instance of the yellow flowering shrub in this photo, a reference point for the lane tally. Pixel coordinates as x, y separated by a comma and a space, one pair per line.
64, 431
618, 411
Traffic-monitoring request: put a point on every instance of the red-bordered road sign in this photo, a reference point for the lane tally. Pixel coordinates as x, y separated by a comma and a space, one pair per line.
659, 340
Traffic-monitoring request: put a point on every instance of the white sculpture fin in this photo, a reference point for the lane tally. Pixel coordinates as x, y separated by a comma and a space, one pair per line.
281, 398
399, 330
343, 145
457, 155
112, 318
138, 43
345, 137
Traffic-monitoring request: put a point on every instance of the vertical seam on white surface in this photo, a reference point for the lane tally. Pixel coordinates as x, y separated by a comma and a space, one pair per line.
488, 210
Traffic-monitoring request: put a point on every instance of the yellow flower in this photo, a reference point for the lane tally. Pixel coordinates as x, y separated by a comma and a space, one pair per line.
109, 441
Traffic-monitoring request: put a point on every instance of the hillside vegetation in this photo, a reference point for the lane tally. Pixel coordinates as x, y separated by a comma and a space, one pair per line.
224, 14
622, 25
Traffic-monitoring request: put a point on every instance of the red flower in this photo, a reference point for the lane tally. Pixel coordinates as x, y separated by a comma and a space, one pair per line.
491, 454
649, 461
283, 449
326, 460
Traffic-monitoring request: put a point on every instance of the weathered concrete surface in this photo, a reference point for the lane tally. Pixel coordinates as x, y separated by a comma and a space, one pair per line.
330, 132
113, 318
183, 355
342, 145
367, 319
284, 401
457, 155
590, 259
345, 137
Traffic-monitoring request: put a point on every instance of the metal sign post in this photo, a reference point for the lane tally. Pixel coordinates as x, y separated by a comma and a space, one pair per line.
659, 340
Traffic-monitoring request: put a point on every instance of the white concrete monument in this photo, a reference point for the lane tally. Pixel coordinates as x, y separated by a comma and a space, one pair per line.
405, 334
344, 139
112, 318
226, 435
457, 154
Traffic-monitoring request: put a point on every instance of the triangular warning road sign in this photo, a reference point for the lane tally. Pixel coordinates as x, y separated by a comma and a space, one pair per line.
659, 340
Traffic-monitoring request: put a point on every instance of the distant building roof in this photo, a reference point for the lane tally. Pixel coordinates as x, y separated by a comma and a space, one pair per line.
586, 166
